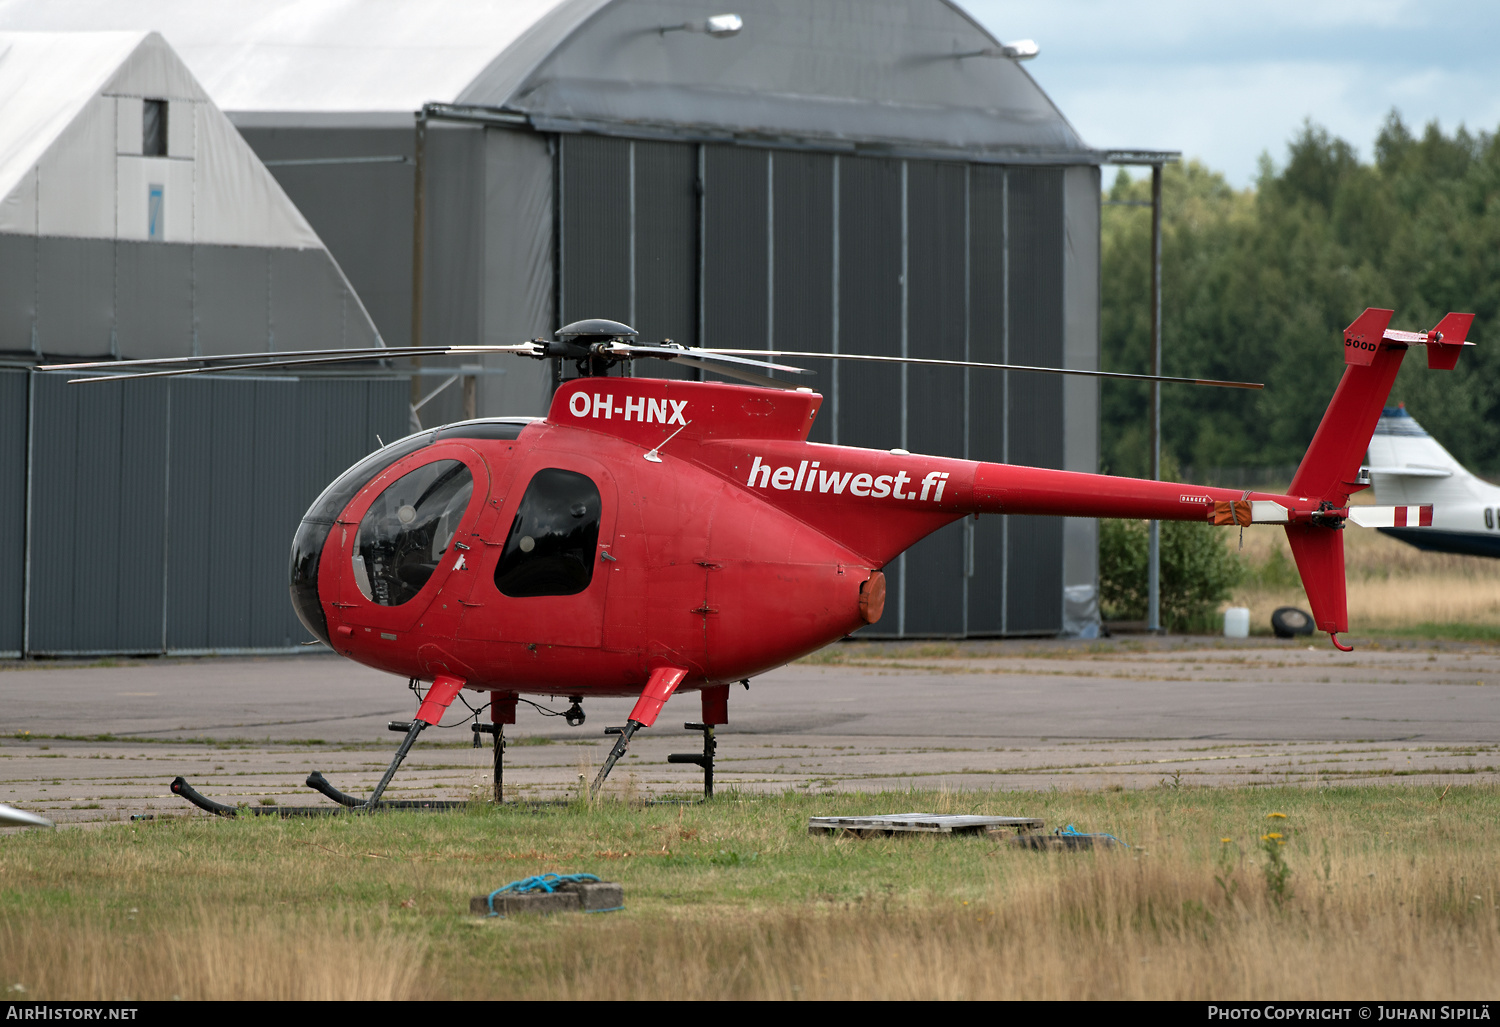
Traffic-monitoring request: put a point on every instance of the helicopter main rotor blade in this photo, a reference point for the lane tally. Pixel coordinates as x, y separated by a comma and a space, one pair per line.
347, 356
367, 354
977, 363
738, 367
675, 352
734, 371
178, 372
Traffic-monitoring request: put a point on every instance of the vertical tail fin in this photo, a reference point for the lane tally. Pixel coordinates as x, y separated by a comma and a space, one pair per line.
1329, 472
1330, 469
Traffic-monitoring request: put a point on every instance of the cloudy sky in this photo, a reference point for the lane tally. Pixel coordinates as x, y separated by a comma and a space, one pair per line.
1225, 82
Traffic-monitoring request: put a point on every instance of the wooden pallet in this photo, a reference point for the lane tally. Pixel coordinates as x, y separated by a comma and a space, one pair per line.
922, 823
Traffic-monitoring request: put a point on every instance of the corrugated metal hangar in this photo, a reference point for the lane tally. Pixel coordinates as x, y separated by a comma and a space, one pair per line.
840, 175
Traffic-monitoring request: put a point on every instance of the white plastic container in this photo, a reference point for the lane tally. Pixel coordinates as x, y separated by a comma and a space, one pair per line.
1237, 622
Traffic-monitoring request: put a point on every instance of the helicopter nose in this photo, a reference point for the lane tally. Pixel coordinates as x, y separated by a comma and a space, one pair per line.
307, 551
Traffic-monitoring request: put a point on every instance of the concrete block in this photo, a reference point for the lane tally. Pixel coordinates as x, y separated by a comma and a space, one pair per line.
570, 897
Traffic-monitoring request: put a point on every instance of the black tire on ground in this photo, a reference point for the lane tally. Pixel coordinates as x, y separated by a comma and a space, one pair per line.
1289, 622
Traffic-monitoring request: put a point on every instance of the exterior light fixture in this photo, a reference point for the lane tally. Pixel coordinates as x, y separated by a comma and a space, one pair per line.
1020, 50
720, 26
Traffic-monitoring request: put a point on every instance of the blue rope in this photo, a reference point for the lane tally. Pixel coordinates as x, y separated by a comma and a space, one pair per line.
541, 883
1073, 832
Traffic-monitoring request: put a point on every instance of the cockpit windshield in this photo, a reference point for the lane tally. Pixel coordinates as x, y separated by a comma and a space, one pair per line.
408, 529
312, 533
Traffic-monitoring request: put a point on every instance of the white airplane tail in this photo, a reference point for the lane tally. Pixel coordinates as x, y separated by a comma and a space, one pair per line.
1408, 466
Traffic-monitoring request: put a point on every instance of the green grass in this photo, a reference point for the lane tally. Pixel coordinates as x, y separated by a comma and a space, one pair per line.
400, 882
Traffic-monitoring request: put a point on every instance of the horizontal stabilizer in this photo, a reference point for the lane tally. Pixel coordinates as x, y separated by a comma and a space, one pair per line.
1392, 516
1411, 472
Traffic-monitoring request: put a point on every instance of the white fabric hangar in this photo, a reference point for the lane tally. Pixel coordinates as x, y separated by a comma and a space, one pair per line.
859, 175
142, 222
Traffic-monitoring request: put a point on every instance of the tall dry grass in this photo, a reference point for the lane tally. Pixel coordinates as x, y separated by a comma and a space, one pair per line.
213, 957
1392, 586
1392, 894
1115, 926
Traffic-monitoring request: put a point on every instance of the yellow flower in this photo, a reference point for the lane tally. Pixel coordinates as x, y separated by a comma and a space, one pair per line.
1273, 836
1226, 840
1279, 816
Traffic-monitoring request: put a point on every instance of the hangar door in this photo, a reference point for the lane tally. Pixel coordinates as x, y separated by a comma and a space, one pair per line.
718, 245
158, 516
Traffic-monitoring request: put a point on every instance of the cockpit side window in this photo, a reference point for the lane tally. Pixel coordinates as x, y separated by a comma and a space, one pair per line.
408, 529
551, 548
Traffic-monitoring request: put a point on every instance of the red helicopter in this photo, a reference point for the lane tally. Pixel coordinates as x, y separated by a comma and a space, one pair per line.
652, 536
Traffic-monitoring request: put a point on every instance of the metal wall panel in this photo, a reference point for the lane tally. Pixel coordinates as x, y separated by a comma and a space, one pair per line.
870, 269
936, 322
870, 309
518, 293
355, 189
309, 309
595, 228
233, 289
162, 514
154, 299
453, 269
248, 458
665, 272
54, 515
1081, 205
274, 515
18, 271
987, 338
333, 433
13, 416
666, 241
454, 236
230, 559
1035, 402
736, 234
98, 536
97, 478
801, 297
190, 514
144, 417
76, 301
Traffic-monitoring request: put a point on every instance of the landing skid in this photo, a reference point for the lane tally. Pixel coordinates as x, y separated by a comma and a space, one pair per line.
315, 780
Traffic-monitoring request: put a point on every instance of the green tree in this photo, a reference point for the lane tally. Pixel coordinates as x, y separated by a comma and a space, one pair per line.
1258, 284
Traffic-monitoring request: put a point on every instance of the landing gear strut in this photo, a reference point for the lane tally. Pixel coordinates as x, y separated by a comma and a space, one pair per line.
502, 712
706, 761
715, 712
659, 688
438, 698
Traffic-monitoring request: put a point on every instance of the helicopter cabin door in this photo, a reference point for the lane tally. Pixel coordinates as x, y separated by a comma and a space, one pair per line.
541, 582
397, 544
